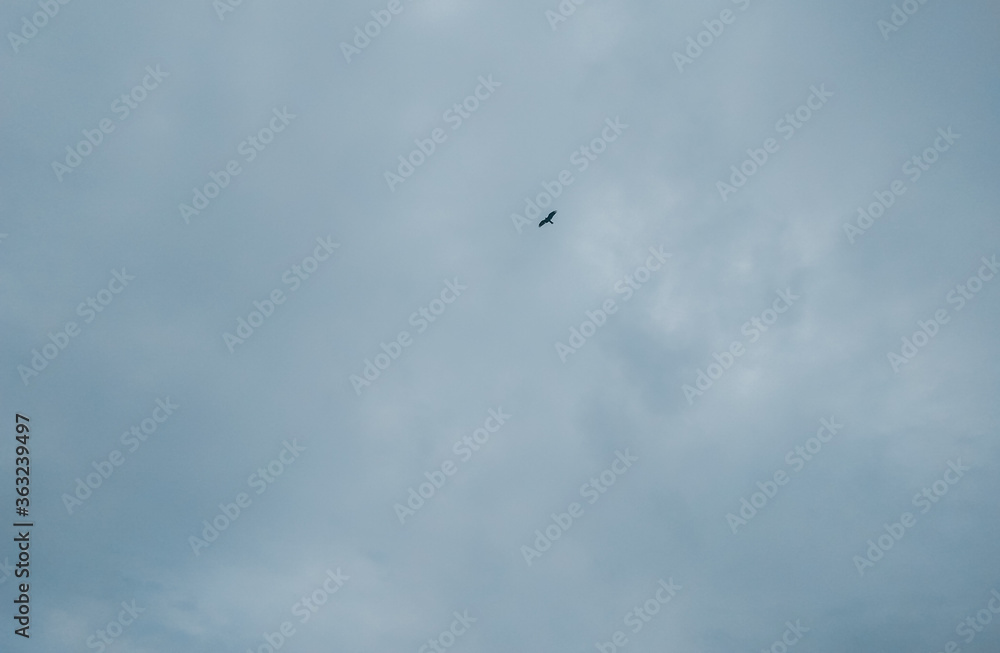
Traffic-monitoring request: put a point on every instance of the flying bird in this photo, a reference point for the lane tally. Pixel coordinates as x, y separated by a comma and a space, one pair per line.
547, 220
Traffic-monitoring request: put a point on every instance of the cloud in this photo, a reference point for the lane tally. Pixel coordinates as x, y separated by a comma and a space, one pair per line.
555, 98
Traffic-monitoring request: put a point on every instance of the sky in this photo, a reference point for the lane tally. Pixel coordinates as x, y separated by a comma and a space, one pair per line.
301, 373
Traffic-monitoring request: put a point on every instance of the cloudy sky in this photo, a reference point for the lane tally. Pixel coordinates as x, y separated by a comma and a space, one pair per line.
303, 374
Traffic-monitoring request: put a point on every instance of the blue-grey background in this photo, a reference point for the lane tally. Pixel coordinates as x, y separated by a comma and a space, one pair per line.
495, 345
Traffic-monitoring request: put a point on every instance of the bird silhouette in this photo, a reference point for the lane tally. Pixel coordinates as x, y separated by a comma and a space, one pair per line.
547, 220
